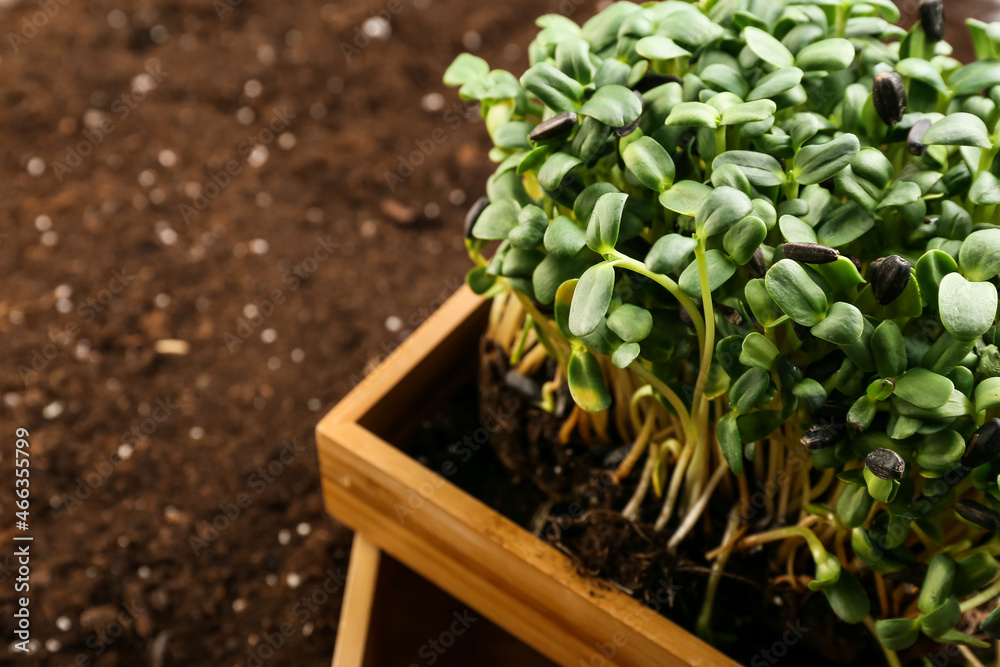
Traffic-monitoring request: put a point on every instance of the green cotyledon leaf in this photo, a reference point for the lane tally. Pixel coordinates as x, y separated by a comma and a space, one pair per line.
744, 238
614, 106
767, 48
958, 129
630, 322
669, 252
720, 269
721, 209
795, 293
586, 381
967, 308
923, 388
828, 55
980, 255
605, 222
728, 433
817, 163
650, 163
591, 299
843, 324
555, 89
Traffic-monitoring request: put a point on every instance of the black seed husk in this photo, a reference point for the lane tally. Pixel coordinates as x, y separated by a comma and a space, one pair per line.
979, 514
653, 80
474, 213
554, 127
563, 401
932, 19
626, 130
889, 276
984, 445
756, 267
889, 97
788, 371
913, 139
810, 253
822, 434
874, 268
523, 385
885, 464
729, 313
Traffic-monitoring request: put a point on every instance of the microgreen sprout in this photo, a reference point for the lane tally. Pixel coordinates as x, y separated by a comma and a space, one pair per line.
757, 233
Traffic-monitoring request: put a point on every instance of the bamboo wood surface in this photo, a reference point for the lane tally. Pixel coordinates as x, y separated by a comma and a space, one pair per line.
469, 550
359, 595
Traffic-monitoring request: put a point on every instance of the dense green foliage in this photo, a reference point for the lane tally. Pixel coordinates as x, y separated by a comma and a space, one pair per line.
787, 211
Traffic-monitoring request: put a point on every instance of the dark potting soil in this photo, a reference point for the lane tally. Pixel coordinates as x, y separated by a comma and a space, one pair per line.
505, 452
94, 377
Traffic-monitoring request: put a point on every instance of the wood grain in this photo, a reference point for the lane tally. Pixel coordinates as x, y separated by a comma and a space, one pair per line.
359, 595
491, 564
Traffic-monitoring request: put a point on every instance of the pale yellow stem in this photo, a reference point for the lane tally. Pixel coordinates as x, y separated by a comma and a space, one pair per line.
694, 512
637, 448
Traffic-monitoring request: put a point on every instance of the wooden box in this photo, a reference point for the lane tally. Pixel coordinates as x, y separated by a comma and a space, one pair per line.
489, 563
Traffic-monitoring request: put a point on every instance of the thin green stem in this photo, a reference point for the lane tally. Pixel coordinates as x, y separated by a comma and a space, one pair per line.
698, 472
704, 624
692, 310
515, 357
986, 158
981, 598
475, 254
690, 432
840, 25
720, 148
790, 187
815, 545
557, 344
708, 345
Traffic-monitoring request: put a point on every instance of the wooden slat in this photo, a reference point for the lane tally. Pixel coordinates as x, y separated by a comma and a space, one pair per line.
449, 334
490, 563
355, 612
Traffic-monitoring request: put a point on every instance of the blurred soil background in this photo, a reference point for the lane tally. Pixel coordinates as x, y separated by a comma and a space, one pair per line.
216, 217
